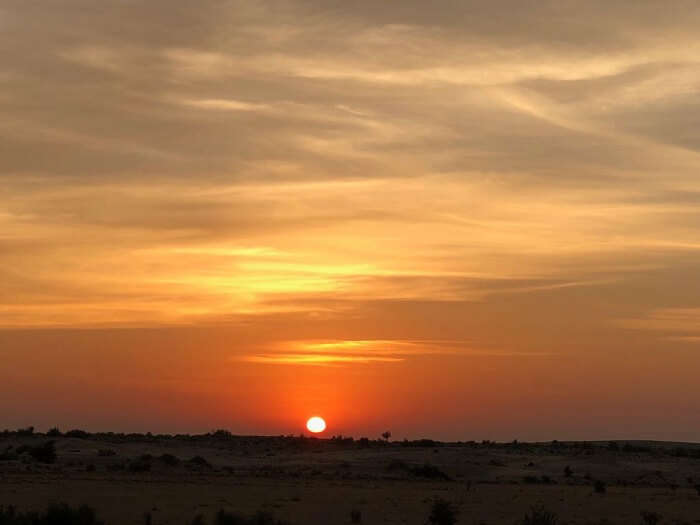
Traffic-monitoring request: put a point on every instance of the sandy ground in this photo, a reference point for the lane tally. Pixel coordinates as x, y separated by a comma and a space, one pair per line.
320, 482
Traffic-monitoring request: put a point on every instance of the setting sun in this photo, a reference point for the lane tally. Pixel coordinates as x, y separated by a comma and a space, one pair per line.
316, 424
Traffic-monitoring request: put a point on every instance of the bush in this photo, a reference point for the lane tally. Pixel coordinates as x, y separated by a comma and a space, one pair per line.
29, 431
599, 487
106, 452
45, 453
198, 461
170, 460
54, 515
142, 464
355, 516
568, 472
54, 432
76, 433
538, 515
397, 464
259, 518
429, 471
442, 513
650, 518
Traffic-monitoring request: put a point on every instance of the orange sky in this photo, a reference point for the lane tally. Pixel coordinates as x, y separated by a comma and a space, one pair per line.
455, 220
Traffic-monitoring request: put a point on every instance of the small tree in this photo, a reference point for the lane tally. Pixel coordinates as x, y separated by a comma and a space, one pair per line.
539, 516
442, 513
386, 435
650, 518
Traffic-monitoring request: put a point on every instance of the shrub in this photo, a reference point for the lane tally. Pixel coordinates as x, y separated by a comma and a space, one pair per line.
568, 472
442, 513
259, 518
106, 452
55, 515
8, 454
198, 520
599, 487
429, 471
29, 431
650, 518
397, 464
199, 461
142, 464
170, 460
76, 433
355, 516
45, 453
538, 515
54, 432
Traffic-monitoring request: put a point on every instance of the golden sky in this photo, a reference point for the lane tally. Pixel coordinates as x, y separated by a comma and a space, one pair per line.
462, 220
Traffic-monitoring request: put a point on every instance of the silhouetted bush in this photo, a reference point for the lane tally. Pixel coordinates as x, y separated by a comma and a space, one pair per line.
429, 471
538, 515
23, 432
628, 447
76, 433
355, 516
442, 513
259, 518
54, 515
8, 454
198, 520
221, 434
199, 462
169, 460
599, 487
142, 464
45, 453
397, 464
428, 443
650, 518
568, 472
54, 432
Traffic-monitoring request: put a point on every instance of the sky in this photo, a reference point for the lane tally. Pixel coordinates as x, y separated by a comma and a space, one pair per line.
450, 219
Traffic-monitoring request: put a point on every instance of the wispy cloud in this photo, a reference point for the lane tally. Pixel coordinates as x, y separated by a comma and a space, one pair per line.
678, 324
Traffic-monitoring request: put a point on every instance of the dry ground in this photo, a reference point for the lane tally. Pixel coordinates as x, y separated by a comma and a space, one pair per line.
320, 481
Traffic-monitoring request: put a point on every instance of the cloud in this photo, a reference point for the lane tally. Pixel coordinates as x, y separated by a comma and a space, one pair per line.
227, 159
676, 324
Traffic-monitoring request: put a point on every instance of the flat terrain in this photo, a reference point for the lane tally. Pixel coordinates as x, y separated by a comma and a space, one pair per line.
312, 481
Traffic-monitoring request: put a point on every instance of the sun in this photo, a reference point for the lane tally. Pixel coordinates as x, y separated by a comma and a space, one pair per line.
316, 424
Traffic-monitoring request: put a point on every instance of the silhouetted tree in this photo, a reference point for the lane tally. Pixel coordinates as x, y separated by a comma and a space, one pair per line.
538, 515
442, 513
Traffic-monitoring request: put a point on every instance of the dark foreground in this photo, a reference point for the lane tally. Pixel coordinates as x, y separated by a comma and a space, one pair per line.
189, 479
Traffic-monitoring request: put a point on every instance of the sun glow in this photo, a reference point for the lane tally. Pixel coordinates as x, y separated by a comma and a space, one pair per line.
316, 424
